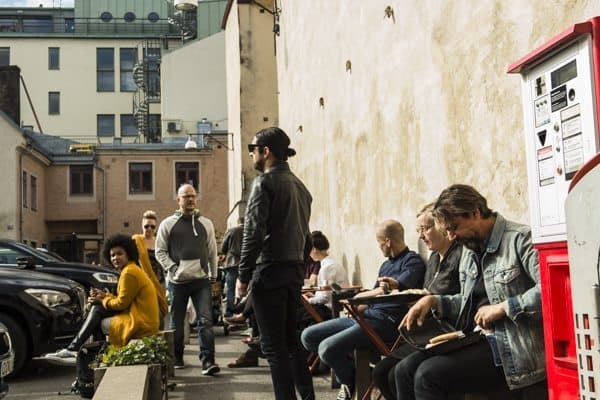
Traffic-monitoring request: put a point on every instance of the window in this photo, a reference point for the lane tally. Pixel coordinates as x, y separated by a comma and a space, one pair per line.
129, 16
4, 56
39, 24
106, 125
106, 16
140, 178
53, 58
154, 128
24, 189
186, 172
128, 127
53, 103
153, 17
33, 193
127, 60
9, 256
105, 69
69, 25
80, 179
152, 59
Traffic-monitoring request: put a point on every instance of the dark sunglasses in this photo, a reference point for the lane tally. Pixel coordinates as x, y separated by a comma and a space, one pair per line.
251, 147
149, 226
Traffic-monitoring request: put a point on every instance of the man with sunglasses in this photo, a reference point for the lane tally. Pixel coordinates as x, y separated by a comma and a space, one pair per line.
274, 245
187, 250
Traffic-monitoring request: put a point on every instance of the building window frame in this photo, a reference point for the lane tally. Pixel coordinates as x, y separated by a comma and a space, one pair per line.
24, 188
126, 64
54, 103
33, 185
183, 170
105, 125
105, 69
4, 56
53, 58
81, 181
127, 122
140, 173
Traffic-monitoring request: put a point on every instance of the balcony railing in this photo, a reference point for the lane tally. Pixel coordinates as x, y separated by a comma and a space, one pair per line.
86, 26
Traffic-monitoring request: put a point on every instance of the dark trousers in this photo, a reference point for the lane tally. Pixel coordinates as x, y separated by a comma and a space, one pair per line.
383, 373
470, 369
91, 326
276, 311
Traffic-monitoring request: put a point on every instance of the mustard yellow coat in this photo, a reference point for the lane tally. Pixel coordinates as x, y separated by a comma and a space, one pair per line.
144, 261
136, 299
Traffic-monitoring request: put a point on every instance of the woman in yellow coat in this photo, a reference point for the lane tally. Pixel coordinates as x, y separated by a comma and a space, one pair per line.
130, 314
145, 245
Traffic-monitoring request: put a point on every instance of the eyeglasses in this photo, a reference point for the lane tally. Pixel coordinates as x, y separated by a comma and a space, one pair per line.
251, 147
149, 226
423, 228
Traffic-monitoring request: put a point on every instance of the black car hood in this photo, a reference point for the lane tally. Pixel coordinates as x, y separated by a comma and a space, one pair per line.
33, 279
81, 267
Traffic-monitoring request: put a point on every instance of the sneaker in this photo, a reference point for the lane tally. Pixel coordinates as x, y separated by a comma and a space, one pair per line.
62, 357
210, 368
178, 363
346, 392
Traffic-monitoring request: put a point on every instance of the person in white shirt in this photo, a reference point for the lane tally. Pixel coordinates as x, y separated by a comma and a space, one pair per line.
331, 272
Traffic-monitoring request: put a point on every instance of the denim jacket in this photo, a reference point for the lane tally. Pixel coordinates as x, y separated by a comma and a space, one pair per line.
510, 272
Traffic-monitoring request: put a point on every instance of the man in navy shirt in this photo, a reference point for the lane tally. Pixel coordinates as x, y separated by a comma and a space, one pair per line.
335, 339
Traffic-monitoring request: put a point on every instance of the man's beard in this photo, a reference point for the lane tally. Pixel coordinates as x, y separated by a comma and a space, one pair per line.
470, 243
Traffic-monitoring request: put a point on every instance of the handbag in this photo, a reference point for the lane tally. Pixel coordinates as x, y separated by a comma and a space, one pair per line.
436, 336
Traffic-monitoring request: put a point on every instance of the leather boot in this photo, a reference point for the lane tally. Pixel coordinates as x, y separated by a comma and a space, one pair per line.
90, 327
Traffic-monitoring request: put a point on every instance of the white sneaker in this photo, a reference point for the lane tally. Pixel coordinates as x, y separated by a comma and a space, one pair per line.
62, 357
345, 393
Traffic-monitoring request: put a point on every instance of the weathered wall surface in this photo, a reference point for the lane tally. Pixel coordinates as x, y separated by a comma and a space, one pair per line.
10, 139
426, 103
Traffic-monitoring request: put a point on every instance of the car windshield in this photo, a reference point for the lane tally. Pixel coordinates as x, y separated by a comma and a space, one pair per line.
45, 256
53, 256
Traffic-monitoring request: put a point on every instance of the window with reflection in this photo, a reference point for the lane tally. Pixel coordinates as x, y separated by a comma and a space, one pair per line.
105, 69
140, 178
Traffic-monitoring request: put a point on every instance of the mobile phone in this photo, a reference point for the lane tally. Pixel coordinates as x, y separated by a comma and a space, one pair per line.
335, 287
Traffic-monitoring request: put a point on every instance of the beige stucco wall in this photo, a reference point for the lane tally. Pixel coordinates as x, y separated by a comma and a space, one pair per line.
34, 221
193, 85
10, 138
427, 103
75, 80
252, 90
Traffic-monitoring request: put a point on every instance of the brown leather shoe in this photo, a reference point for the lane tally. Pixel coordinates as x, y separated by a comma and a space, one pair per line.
246, 360
236, 319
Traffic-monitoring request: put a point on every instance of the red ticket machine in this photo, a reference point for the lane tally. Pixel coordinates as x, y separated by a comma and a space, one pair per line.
560, 82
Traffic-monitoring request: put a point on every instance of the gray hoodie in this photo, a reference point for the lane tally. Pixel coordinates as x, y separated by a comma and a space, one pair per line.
186, 247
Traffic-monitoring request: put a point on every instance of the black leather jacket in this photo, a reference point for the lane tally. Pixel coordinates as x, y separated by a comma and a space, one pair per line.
276, 224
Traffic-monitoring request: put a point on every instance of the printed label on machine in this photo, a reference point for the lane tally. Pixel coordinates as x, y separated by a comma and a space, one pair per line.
559, 98
542, 111
573, 150
571, 121
545, 166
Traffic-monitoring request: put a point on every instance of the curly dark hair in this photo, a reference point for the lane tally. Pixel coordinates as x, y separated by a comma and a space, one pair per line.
124, 241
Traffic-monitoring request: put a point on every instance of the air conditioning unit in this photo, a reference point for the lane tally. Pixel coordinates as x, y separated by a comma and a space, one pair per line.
174, 126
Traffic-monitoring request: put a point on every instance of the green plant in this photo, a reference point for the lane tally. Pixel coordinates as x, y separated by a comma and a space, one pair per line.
149, 350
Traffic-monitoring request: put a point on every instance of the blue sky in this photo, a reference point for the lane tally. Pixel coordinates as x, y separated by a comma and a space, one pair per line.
36, 3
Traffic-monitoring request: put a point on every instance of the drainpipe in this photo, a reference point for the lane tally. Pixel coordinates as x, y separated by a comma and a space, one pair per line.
98, 167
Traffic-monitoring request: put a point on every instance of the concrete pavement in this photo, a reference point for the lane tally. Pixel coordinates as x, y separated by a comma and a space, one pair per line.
231, 383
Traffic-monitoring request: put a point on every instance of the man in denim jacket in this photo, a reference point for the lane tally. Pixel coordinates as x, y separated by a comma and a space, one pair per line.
500, 294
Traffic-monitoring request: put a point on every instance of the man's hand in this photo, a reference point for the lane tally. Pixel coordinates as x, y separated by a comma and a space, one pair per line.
418, 312
486, 315
393, 284
241, 289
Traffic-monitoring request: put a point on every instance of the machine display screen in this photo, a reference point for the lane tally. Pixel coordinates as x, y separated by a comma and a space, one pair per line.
564, 74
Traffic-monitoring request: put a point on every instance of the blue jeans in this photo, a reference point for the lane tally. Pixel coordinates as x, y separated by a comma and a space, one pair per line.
231, 275
200, 291
335, 341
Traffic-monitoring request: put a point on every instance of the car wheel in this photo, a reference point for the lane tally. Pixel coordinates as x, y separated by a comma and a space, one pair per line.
17, 339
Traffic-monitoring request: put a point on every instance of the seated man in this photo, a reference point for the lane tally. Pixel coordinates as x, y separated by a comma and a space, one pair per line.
335, 339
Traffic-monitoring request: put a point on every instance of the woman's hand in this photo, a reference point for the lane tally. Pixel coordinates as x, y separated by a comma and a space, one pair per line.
96, 296
418, 312
486, 315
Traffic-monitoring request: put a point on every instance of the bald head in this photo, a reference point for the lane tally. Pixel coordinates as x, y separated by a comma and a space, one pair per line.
390, 236
186, 199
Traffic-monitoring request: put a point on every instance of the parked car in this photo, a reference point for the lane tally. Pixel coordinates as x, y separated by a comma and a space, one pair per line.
39, 312
7, 360
18, 255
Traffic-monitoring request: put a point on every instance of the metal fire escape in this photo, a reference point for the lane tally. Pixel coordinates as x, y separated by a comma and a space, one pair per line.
146, 75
